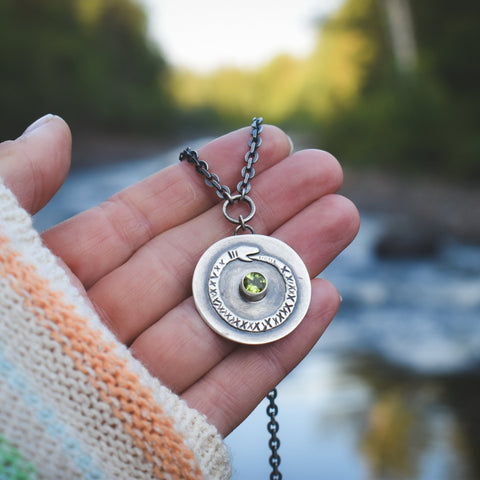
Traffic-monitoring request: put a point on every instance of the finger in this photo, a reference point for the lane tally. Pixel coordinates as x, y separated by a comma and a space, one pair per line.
35, 165
232, 389
171, 348
158, 276
180, 348
106, 236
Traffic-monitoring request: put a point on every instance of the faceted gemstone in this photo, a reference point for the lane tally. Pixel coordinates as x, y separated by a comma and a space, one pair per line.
254, 282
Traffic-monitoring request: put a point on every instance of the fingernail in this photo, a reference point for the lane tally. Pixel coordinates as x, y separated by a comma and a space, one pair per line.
341, 298
292, 147
38, 123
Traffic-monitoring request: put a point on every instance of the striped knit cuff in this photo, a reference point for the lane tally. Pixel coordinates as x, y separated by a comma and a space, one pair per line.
74, 403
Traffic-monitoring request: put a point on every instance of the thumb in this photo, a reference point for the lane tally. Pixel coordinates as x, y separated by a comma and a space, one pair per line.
34, 166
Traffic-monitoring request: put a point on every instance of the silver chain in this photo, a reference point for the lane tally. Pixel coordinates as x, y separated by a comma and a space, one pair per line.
274, 442
201, 167
251, 157
243, 188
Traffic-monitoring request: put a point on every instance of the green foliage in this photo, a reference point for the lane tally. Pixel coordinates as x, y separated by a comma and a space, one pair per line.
88, 60
404, 125
426, 120
91, 61
349, 46
290, 90
235, 93
350, 94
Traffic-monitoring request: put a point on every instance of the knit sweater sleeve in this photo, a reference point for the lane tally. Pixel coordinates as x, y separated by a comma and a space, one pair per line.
74, 403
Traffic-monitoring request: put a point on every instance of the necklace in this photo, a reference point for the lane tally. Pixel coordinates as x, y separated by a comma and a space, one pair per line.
252, 289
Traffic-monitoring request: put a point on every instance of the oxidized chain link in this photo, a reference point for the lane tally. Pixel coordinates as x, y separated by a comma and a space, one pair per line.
201, 167
274, 442
243, 187
251, 157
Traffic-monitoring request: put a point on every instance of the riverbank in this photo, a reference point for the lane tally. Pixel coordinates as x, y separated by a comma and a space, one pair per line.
432, 204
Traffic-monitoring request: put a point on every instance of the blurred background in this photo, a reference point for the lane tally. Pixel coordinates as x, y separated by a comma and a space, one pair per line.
388, 86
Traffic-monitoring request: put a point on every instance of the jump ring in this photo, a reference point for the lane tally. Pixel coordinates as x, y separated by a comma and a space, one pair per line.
247, 227
239, 198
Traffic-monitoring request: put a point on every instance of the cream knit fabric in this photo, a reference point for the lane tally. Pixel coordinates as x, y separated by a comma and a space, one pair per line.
74, 403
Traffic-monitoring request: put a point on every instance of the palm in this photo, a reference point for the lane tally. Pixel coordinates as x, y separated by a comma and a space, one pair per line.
135, 254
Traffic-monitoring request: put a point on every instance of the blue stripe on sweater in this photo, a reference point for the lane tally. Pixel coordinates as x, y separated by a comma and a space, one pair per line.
45, 415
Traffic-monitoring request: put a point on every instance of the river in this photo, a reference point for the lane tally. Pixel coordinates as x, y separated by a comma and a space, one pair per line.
392, 389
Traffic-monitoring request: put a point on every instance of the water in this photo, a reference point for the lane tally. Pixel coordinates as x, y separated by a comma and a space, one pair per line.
422, 314
391, 391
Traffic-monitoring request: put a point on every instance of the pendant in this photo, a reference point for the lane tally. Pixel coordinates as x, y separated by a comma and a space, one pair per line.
251, 289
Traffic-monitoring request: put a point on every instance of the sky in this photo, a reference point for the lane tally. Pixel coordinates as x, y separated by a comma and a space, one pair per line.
206, 34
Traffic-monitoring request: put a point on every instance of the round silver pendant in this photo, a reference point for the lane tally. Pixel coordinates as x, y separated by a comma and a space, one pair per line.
251, 289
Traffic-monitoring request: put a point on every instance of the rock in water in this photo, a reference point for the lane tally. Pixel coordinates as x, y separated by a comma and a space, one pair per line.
407, 239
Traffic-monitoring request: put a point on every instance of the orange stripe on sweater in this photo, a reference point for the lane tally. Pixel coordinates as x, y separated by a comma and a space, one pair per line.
142, 418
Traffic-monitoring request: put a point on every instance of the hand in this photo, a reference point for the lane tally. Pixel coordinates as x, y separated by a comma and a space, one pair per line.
134, 256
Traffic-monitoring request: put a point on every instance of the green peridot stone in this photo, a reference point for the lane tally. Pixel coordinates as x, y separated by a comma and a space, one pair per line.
254, 282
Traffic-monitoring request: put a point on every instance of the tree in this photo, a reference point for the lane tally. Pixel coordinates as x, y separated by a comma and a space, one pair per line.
88, 60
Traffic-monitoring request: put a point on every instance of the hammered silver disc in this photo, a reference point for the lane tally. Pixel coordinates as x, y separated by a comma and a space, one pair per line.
221, 301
